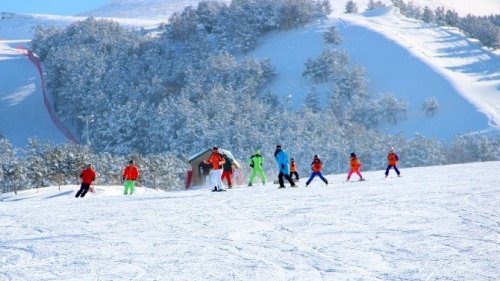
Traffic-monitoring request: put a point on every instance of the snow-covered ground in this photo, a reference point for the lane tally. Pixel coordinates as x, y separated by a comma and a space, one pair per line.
434, 223
22, 111
444, 54
462, 7
406, 57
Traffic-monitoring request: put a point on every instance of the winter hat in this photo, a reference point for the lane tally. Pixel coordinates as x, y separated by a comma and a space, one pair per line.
278, 146
391, 149
257, 151
353, 154
131, 162
215, 148
316, 156
292, 159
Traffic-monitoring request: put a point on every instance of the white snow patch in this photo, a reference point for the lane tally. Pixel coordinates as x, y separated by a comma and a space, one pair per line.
432, 223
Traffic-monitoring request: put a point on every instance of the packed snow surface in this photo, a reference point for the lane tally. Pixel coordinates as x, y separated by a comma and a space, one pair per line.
434, 223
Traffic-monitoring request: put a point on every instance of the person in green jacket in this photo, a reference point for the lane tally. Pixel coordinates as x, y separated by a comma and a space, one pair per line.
256, 162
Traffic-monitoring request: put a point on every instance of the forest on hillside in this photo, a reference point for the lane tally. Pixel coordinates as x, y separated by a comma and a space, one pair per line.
163, 95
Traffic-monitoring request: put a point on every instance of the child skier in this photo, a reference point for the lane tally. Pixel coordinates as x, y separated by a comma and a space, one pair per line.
316, 167
293, 169
355, 166
227, 170
392, 159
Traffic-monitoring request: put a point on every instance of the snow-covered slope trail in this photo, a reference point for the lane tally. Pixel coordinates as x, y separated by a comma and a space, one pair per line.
22, 111
434, 223
472, 71
402, 56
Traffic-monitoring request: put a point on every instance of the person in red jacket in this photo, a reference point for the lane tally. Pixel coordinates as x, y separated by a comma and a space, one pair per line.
87, 176
293, 169
316, 167
392, 159
217, 162
130, 175
355, 166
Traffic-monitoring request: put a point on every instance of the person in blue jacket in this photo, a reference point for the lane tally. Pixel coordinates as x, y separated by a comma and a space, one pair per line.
281, 158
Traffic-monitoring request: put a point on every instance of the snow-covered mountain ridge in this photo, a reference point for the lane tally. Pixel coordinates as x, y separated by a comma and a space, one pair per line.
403, 56
432, 223
456, 70
162, 8
153, 9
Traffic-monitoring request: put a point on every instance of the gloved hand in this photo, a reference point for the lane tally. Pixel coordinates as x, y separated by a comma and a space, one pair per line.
251, 165
123, 179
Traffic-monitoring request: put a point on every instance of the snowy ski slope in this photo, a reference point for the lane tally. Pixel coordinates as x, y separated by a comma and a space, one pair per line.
22, 111
434, 223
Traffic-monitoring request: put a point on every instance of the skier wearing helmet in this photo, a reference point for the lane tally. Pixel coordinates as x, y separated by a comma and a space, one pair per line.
316, 167
281, 158
293, 169
392, 159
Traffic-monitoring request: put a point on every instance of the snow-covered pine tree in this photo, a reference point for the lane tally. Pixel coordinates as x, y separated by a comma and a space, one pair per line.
351, 7
428, 15
430, 106
331, 36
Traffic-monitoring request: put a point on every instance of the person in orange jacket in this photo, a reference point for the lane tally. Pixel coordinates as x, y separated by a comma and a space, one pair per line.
355, 166
316, 167
293, 169
217, 162
87, 176
392, 159
130, 175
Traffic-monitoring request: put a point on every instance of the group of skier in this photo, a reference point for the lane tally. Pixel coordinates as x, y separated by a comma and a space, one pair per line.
287, 168
219, 166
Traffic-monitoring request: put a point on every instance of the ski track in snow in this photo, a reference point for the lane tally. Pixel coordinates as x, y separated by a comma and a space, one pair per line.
433, 223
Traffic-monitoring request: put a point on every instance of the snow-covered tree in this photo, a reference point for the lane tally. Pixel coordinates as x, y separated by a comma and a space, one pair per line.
12, 169
393, 109
331, 36
312, 100
440, 15
163, 171
351, 7
413, 10
428, 15
452, 18
474, 147
430, 106
38, 170
421, 151
372, 5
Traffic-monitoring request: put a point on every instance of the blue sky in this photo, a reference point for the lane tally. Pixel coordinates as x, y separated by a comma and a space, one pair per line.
56, 7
